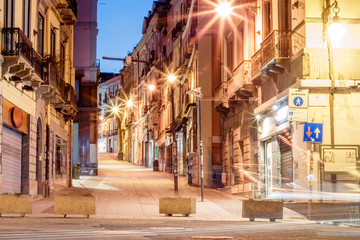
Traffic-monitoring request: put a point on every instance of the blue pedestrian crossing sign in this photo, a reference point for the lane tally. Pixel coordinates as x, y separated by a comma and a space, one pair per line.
298, 101
298, 98
313, 132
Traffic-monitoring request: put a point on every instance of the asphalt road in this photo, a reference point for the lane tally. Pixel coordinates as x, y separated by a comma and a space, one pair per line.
79, 228
127, 208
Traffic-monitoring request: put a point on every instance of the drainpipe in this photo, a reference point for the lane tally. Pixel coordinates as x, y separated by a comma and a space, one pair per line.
70, 155
47, 153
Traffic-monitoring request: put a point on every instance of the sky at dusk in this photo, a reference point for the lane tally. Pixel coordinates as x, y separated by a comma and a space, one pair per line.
120, 24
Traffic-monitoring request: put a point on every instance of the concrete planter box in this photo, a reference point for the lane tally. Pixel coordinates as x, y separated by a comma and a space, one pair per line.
75, 204
262, 209
318, 211
16, 204
184, 206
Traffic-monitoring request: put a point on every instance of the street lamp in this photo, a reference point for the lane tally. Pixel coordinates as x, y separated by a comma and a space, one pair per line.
336, 30
327, 28
151, 87
115, 110
326, 35
224, 9
198, 94
129, 103
171, 78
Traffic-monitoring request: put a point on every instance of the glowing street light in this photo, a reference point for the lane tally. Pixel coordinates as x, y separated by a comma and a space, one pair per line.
171, 78
151, 87
129, 103
224, 9
258, 117
101, 117
115, 109
336, 32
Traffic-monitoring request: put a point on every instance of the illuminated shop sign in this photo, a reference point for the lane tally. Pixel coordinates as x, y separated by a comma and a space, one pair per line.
281, 115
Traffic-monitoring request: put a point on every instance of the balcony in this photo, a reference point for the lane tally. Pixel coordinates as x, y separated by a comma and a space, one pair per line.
240, 84
68, 11
112, 132
69, 107
270, 59
221, 98
190, 100
315, 65
53, 88
178, 29
21, 62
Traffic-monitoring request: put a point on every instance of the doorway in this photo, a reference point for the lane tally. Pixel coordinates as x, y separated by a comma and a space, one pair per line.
268, 167
38, 158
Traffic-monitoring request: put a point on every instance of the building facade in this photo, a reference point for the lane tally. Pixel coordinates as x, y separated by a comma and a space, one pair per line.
109, 97
85, 150
165, 132
38, 99
269, 72
291, 75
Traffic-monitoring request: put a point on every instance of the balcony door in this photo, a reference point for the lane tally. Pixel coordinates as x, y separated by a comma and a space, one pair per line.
26, 16
9, 13
267, 18
40, 34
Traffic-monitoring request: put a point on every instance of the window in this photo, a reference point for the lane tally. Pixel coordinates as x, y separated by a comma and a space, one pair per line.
106, 98
40, 35
240, 45
26, 27
267, 18
100, 102
229, 57
62, 58
9, 13
284, 15
52, 42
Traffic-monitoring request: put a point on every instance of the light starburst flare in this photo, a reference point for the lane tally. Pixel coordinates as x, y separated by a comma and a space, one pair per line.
224, 9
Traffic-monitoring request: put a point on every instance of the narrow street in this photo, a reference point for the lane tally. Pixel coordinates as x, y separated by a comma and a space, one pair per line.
128, 208
124, 190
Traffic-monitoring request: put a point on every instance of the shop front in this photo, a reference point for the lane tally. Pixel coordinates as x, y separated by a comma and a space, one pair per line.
275, 142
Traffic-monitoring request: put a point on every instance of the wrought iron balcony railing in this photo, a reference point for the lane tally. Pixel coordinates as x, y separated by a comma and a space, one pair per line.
16, 43
256, 64
276, 46
221, 94
190, 100
241, 77
52, 74
70, 96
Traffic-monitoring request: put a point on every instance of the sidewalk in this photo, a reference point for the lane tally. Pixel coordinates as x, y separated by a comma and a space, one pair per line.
132, 192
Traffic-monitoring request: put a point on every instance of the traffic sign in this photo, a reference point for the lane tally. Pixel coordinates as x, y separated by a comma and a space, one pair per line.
313, 132
298, 101
298, 98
